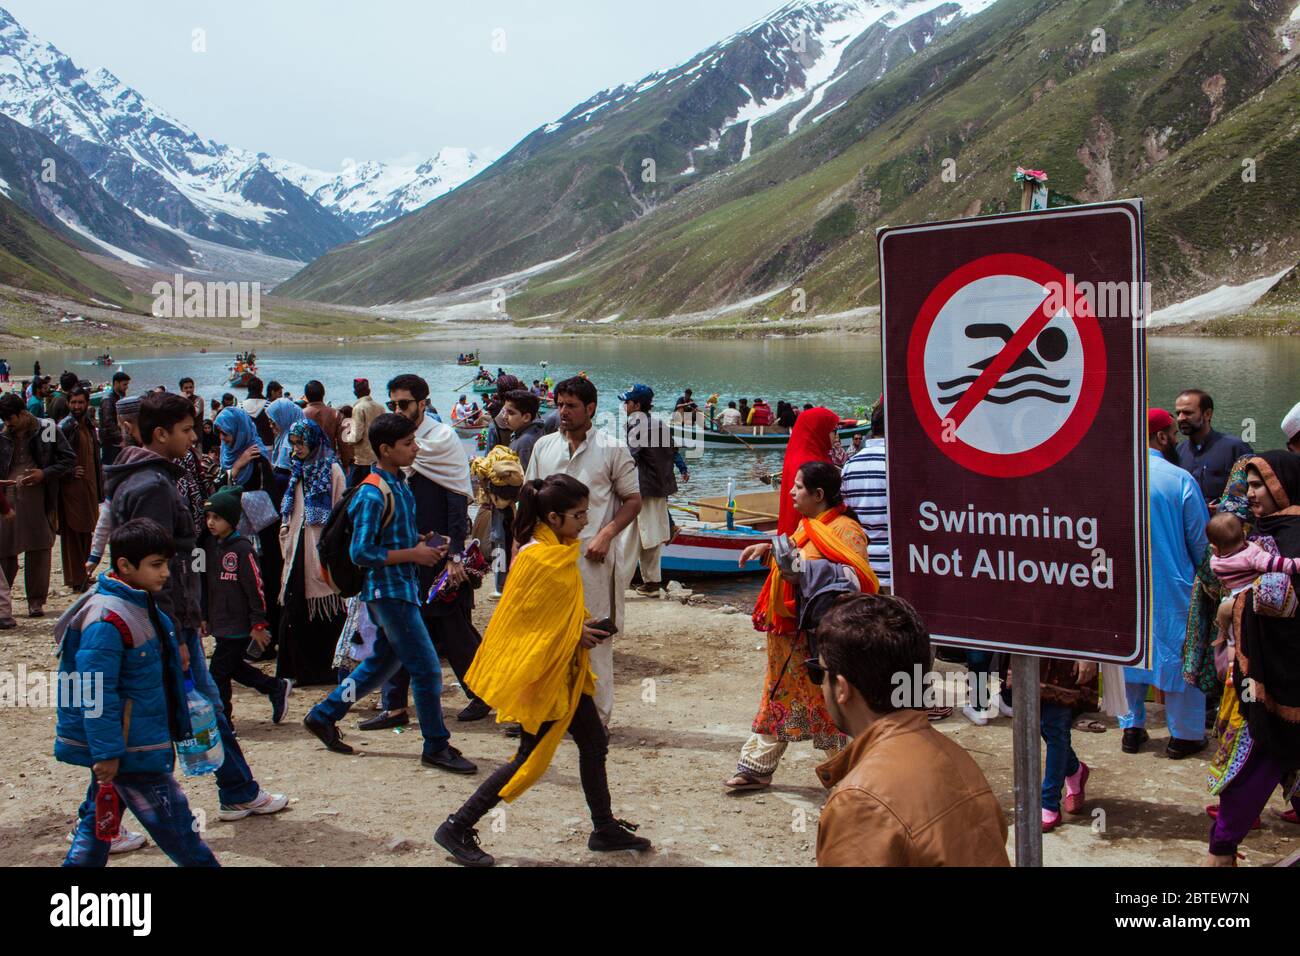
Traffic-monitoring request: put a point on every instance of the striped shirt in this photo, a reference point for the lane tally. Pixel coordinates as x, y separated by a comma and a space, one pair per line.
862, 483
371, 541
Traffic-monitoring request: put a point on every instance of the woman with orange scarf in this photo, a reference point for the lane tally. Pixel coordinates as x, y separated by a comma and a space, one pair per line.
792, 708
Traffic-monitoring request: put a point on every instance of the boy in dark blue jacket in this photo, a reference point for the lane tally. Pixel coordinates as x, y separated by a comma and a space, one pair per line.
122, 699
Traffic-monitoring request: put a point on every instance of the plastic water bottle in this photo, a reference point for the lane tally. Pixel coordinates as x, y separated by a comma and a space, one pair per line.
108, 813
202, 753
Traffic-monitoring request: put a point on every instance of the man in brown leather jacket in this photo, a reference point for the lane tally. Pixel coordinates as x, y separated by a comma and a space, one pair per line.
902, 794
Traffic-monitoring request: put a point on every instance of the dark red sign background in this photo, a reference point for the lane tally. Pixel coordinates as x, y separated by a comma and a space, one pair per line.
1097, 462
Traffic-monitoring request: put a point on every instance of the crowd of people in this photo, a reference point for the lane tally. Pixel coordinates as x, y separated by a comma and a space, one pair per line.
339, 544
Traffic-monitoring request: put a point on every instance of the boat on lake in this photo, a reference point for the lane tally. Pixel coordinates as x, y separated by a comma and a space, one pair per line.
711, 544
242, 370
712, 436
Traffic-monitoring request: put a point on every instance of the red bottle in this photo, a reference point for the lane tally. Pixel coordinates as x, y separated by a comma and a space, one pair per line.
108, 813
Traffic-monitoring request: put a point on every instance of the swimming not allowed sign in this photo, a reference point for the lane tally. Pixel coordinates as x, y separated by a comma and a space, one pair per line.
1015, 424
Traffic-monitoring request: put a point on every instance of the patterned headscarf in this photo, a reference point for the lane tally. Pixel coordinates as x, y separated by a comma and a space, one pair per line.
235, 421
315, 474
284, 414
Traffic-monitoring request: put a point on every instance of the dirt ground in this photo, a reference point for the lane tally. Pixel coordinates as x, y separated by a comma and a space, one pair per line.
688, 679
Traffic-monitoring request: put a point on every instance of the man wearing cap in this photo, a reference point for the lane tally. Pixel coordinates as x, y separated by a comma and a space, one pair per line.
364, 411
652, 448
110, 433
1291, 428
1177, 521
1207, 454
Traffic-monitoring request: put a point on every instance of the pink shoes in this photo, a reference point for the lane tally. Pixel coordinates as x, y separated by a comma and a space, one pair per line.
1074, 794
1051, 820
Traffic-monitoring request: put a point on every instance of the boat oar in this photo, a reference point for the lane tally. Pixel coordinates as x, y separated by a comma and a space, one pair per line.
739, 511
742, 441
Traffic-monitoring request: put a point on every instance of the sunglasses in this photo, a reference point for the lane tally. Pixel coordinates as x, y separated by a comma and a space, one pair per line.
402, 404
816, 672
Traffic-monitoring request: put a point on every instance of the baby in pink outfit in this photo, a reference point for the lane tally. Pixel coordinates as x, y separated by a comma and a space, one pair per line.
1238, 563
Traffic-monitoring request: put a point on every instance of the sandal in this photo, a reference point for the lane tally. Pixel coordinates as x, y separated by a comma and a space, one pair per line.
751, 781
1090, 725
938, 713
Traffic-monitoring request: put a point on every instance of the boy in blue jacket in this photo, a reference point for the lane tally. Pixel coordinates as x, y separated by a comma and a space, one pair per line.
120, 652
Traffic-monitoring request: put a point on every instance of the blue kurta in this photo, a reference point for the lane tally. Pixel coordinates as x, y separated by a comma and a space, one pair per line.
1177, 520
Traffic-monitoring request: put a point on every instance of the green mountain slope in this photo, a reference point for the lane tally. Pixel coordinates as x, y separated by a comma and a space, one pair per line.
1183, 93
32, 257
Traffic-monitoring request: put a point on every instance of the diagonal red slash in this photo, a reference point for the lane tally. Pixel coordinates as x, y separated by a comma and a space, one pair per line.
994, 371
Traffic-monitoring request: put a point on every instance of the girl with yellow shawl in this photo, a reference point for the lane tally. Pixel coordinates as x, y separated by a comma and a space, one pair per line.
533, 668
792, 708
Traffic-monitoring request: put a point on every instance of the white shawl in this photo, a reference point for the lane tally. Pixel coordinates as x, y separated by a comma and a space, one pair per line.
441, 457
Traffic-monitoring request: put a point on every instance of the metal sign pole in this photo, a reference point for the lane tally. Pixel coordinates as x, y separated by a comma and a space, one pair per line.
1026, 761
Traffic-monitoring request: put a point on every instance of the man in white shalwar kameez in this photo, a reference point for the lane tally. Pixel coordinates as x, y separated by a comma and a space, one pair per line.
603, 464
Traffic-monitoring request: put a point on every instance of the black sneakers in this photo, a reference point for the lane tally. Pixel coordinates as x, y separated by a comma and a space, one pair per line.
616, 836
462, 843
280, 699
327, 732
384, 721
450, 759
476, 710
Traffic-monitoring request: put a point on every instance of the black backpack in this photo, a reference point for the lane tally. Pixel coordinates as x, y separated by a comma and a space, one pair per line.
336, 537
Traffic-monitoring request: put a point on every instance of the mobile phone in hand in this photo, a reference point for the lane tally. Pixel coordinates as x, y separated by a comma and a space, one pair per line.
436, 540
604, 624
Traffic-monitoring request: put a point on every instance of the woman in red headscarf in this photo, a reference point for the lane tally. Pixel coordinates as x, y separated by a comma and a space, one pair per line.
810, 440
831, 544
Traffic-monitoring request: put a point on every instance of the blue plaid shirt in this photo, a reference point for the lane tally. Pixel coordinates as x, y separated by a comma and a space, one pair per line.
371, 542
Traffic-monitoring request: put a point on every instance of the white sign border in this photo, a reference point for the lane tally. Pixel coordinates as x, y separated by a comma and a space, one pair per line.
1132, 209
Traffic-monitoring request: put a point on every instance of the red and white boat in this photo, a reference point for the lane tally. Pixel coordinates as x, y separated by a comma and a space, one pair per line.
711, 544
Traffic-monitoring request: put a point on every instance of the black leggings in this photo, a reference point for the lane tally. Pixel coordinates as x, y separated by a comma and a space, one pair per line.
593, 744
228, 663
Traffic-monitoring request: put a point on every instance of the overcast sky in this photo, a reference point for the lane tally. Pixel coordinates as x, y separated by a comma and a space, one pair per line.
317, 82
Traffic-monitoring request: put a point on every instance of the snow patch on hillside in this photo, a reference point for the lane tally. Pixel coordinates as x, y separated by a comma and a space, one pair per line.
1224, 299
111, 249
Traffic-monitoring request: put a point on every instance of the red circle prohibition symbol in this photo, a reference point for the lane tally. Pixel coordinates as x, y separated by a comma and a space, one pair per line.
1064, 439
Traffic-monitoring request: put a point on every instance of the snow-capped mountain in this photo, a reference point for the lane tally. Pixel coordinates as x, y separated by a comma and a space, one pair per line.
813, 57
367, 195
572, 181
200, 189
52, 187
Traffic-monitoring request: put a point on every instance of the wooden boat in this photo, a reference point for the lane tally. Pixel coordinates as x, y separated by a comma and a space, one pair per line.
471, 359
751, 437
481, 387
104, 359
472, 429
242, 369
708, 546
